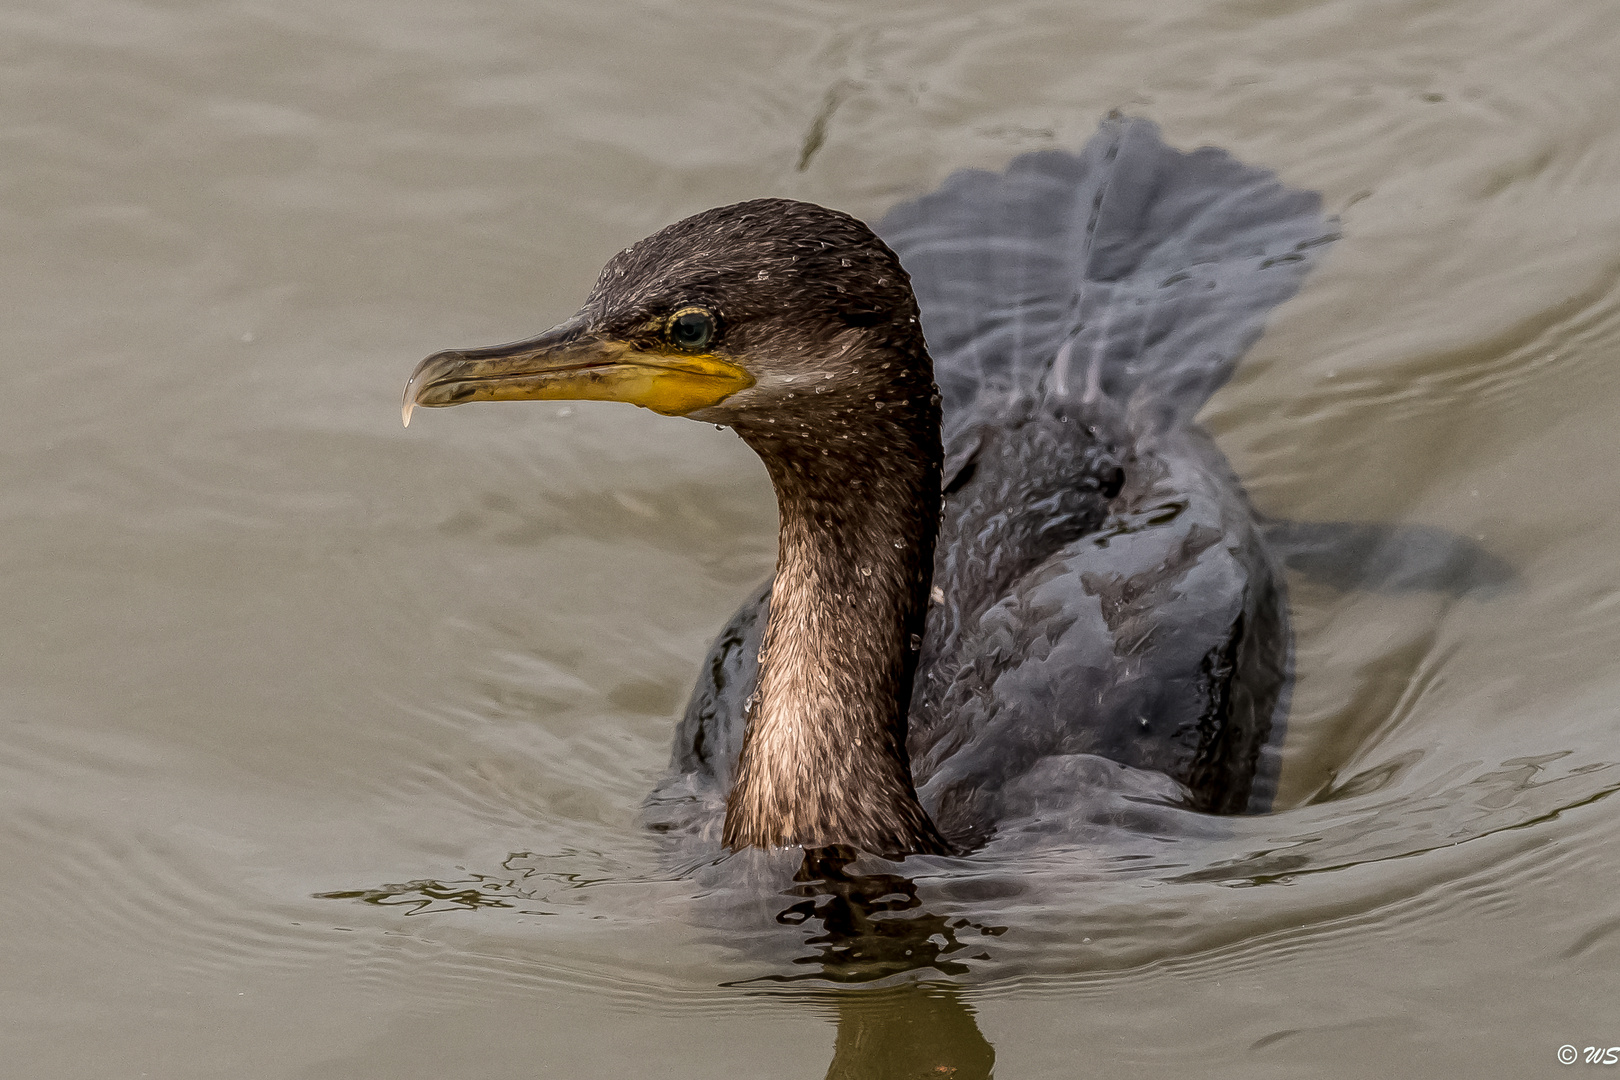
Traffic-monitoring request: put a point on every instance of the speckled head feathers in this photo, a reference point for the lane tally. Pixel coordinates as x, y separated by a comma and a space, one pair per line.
765, 259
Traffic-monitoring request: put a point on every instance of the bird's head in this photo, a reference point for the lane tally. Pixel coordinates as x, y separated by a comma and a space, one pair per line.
731, 314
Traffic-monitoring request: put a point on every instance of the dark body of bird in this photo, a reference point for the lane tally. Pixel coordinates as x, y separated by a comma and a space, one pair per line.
1101, 587
1010, 565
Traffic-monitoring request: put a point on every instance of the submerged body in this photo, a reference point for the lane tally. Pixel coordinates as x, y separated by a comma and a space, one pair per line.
989, 592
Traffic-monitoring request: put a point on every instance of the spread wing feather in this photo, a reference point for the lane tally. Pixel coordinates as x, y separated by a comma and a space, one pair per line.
1129, 270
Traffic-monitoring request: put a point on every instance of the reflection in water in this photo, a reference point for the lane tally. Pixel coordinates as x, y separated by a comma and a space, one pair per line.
863, 927
426, 895
525, 888
902, 1032
1389, 558
870, 924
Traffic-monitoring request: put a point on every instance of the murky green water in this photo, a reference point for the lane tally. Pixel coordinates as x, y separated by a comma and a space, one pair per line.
262, 644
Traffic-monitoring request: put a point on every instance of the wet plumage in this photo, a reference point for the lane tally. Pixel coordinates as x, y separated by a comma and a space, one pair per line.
989, 594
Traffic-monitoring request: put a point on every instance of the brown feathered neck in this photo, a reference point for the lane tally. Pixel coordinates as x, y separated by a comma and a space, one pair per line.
856, 466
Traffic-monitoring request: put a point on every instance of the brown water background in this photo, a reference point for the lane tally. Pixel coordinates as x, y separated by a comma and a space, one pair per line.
260, 643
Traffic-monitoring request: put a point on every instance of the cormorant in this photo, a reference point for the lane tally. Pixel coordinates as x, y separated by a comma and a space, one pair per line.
1008, 557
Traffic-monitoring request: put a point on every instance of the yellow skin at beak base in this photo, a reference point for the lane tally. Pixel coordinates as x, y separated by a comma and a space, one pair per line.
673, 384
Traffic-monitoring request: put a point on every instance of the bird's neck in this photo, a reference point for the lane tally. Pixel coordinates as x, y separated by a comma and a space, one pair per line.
824, 758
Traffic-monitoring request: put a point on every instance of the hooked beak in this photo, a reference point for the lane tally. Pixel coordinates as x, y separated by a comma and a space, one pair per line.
569, 362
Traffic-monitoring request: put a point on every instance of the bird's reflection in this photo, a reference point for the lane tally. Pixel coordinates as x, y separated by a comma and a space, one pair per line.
867, 927
911, 1031
862, 929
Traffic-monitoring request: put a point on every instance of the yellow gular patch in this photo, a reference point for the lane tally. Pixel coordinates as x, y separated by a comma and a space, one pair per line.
670, 383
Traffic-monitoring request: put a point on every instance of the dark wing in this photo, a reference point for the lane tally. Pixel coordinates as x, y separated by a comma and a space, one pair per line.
1159, 641
1129, 270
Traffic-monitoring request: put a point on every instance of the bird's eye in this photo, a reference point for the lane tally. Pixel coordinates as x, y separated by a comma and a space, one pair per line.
691, 328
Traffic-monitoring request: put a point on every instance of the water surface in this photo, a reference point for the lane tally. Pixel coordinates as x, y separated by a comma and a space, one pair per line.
262, 644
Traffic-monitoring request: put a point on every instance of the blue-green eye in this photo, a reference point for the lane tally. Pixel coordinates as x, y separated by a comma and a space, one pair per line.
691, 328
